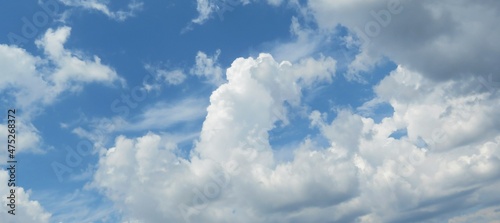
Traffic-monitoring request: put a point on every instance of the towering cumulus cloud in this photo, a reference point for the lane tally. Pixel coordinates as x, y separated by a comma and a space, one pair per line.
231, 173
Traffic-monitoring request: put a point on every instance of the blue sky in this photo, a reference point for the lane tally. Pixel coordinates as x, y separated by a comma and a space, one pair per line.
252, 111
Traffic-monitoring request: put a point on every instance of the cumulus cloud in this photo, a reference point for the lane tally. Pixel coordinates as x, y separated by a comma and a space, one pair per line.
34, 80
436, 110
231, 159
447, 162
72, 67
457, 163
102, 6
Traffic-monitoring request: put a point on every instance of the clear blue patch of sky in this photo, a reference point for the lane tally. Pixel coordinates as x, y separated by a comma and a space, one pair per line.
398, 134
381, 111
17, 18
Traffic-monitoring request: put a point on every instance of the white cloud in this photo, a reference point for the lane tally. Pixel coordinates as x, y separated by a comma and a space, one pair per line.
312, 70
21, 72
205, 66
204, 9
32, 83
102, 6
38, 81
208, 67
463, 108
305, 43
174, 77
171, 77
71, 67
459, 163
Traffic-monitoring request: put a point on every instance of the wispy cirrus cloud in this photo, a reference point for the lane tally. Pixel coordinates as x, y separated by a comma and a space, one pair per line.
102, 6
